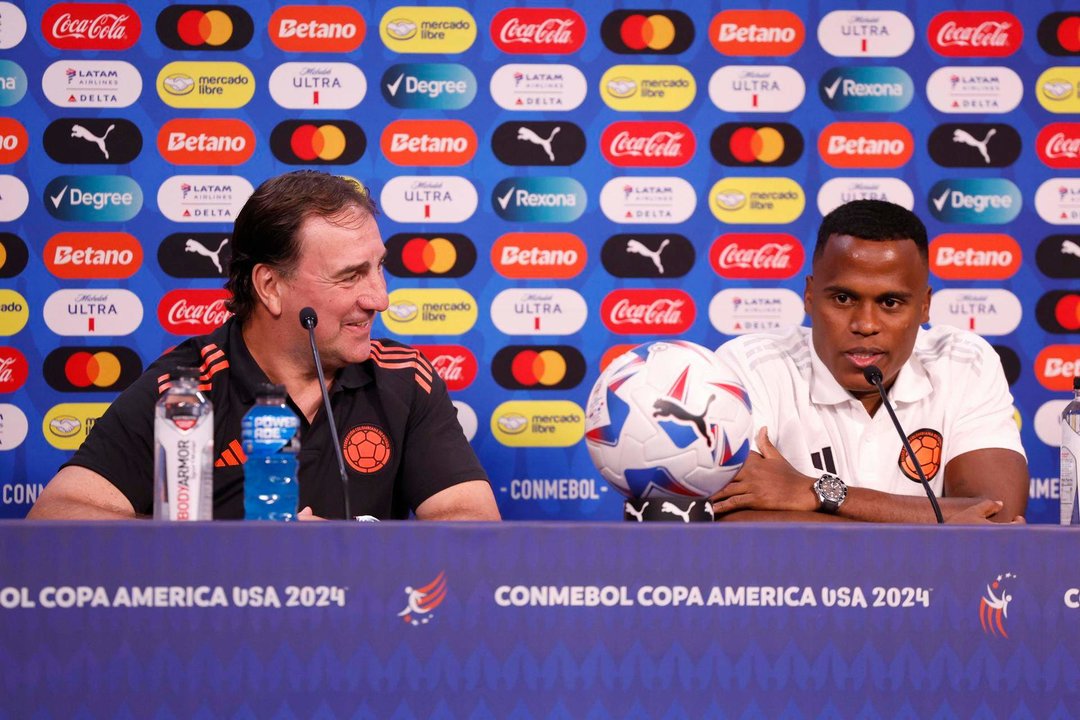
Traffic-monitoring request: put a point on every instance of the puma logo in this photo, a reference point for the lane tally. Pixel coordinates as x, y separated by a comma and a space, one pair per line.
673, 510
636, 247
637, 513
194, 246
528, 135
1068, 247
670, 408
78, 131
966, 138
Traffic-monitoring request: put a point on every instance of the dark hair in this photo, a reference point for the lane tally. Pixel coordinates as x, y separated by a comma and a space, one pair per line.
873, 220
265, 229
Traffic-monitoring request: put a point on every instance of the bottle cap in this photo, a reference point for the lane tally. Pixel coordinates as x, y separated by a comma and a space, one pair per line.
270, 390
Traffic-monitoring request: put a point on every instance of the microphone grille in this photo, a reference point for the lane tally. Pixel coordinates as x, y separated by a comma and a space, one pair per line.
873, 374
308, 318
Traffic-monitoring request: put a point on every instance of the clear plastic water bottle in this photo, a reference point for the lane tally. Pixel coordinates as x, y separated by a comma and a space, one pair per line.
184, 450
1070, 458
271, 436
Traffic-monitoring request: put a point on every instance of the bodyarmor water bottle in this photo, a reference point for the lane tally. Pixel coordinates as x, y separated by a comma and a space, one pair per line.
183, 450
1070, 459
271, 437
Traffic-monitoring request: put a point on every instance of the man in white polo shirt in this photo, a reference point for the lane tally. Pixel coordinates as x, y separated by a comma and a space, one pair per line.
826, 449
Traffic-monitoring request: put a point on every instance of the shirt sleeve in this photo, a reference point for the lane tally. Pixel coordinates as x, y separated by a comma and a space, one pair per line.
984, 417
733, 354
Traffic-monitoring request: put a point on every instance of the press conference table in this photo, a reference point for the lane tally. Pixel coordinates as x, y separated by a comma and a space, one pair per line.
537, 620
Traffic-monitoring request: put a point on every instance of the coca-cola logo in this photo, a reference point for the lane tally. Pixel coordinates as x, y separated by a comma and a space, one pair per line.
765, 256
13, 369
648, 312
1058, 145
648, 144
455, 364
553, 31
975, 34
193, 312
91, 26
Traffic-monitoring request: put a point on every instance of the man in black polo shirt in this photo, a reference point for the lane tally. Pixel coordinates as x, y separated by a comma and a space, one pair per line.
302, 239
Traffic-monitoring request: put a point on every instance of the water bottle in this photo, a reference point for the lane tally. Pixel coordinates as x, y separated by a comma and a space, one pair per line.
184, 450
271, 436
1070, 458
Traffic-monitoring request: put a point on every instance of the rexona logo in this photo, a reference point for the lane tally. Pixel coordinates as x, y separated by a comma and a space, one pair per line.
538, 367
429, 86
206, 141
433, 29
648, 88
66, 425
1058, 201
648, 200
204, 27
12, 82
635, 143
455, 364
645, 255
539, 311
647, 312
91, 83
91, 26
1059, 33
203, 198
866, 89
93, 198
978, 33
757, 88
756, 256
12, 25
428, 198
955, 256
91, 369
988, 201
539, 199
549, 256
744, 310
538, 142
1058, 312
82, 255
205, 85
756, 144
1058, 256
13, 255
772, 33
312, 28
13, 369
838, 191
992, 89
13, 140
546, 31
193, 312
866, 33
647, 32
96, 311
93, 141
317, 86
14, 312
1058, 89
195, 255
538, 423
448, 255
756, 200
987, 311
538, 87
1056, 366
974, 145
866, 145
1058, 145
320, 142
428, 142
415, 311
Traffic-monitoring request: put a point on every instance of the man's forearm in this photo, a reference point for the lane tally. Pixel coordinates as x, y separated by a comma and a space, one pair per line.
875, 506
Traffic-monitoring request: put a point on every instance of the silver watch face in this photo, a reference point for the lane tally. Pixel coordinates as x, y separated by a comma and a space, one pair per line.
831, 488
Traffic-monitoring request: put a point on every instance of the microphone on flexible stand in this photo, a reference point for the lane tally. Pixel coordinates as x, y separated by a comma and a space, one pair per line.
309, 320
873, 375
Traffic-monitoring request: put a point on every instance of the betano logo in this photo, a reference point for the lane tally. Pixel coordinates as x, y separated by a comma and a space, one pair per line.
1058, 89
548, 31
13, 141
13, 255
446, 311
866, 33
83, 255
90, 83
524, 87
91, 369
1058, 201
539, 199
541, 367
14, 370
838, 191
962, 256
1058, 312
1056, 366
636, 143
648, 88
756, 256
93, 311
991, 89
429, 86
91, 26
736, 311
206, 141
318, 86
1059, 34
647, 312
647, 32
866, 145
66, 425
313, 28
756, 200
93, 198
203, 198
435, 29
448, 255
636, 200
986, 201
538, 423
549, 256
14, 312
14, 198
756, 88
12, 83
1058, 145
987, 311
756, 144
186, 84
428, 142
205, 27
978, 33
539, 311
428, 198
323, 142
866, 89
773, 33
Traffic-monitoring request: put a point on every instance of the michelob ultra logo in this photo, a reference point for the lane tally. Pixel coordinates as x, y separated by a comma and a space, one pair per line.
647, 32
13, 140
428, 142
866, 33
430, 255
93, 198
203, 198
428, 86
647, 200
428, 198
320, 142
93, 311
82, 255
1058, 201
538, 423
433, 30
538, 367
962, 256
91, 369
866, 89
317, 28
318, 86
838, 191
205, 27
554, 256
539, 311
92, 141
987, 201
1059, 34
14, 198
206, 141
66, 425
12, 83
1058, 89
205, 84
771, 33
14, 312
539, 199
987, 311
866, 145
974, 89
521, 86
757, 200
757, 88
13, 255
648, 88
90, 83
91, 26
548, 31
414, 311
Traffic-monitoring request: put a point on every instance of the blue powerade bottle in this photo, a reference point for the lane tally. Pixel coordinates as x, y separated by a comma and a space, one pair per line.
270, 432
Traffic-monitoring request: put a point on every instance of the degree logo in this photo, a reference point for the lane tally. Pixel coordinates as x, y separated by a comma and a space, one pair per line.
204, 27
13, 255
539, 311
1058, 201
648, 200
90, 26
206, 141
83, 255
195, 255
538, 423
414, 311
429, 86
974, 145
648, 312
989, 201
311, 28
1057, 89
861, 33
66, 425
193, 312
428, 198
634, 143
203, 198
838, 191
756, 88
866, 145
553, 256
975, 33
13, 24
318, 86
1058, 312
549, 87
538, 142
539, 199
1059, 34
541, 367
91, 369
434, 30
772, 33
455, 364
647, 32
992, 89
447, 255
323, 142
955, 256
205, 85
645, 255
13, 426
93, 198
12, 83
13, 370
14, 312
1056, 366
736, 311
866, 89
93, 311
648, 88
1058, 145
757, 256
756, 144
428, 142
757, 200
93, 141
1058, 256
90, 83
987, 311
547, 31
14, 198
13, 141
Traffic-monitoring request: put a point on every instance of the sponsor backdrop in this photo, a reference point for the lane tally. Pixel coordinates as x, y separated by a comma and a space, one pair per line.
557, 181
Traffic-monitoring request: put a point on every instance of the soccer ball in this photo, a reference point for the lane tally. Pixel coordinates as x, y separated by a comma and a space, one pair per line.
668, 419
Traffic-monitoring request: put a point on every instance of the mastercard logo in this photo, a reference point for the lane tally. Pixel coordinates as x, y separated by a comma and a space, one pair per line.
548, 367
1059, 312
430, 255
329, 142
91, 369
13, 255
205, 27
1059, 33
666, 32
756, 144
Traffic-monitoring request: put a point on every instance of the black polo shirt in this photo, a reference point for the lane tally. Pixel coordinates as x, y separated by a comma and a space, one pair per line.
400, 432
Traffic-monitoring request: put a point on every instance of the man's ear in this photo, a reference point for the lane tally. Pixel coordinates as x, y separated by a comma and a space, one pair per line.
807, 292
926, 305
267, 285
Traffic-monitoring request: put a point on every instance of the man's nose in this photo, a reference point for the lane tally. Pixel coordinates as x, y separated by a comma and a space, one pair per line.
864, 321
376, 297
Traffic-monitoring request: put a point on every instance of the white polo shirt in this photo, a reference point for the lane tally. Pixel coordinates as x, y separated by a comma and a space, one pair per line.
952, 386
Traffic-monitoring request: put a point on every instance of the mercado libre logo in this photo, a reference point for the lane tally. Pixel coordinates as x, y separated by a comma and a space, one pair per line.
927, 445
432, 29
66, 425
421, 602
647, 32
994, 605
648, 88
205, 85
538, 423
204, 27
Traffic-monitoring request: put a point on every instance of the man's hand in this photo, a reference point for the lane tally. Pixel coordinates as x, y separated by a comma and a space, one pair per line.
766, 482
308, 514
980, 514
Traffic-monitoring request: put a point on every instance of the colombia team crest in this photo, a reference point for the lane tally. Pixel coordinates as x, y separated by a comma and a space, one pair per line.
366, 448
926, 444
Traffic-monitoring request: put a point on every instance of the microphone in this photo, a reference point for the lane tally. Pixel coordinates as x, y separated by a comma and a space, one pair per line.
309, 320
873, 375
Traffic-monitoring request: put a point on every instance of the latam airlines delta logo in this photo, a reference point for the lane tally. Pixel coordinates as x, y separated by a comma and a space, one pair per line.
866, 33
992, 89
538, 423
648, 88
429, 86
772, 33
551, 87
93, 198
91, 83
1058, 89
548, 31
313, 28
434, 30
91, 26
987, 201
757, 200
428, 198
12, 83
205, 85
975, 33
318, 86
96, 311
1058, 201
539, 199
204, 27
757, 88
648, 200
415, 311
866, 89
203, 198
744, 310
539, 311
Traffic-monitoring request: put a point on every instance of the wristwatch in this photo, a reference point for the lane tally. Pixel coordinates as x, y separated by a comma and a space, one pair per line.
831, 492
